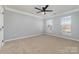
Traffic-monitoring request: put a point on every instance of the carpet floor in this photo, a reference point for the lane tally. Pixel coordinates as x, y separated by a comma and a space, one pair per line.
42, 44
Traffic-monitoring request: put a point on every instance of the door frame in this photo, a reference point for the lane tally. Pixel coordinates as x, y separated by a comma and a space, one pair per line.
2, 26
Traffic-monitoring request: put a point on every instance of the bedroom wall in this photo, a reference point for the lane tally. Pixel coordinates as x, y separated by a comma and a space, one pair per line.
19, 25
57, 28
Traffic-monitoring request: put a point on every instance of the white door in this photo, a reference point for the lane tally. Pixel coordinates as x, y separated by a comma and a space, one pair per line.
1, 26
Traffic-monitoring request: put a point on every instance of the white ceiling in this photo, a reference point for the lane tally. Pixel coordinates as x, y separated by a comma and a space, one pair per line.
57, 9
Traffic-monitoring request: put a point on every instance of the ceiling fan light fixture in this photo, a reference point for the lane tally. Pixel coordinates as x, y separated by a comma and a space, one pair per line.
44, 13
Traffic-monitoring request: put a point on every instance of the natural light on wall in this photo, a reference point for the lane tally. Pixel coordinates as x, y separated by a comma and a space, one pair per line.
66, 25
49, 25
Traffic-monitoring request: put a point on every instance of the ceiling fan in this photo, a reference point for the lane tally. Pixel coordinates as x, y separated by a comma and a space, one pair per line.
44, 9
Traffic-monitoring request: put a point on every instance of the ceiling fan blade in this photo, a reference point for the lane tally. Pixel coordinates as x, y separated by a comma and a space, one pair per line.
38, 11
46, 6
37, 8
48, 10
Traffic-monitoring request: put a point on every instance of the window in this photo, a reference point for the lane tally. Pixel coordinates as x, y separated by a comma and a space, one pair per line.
66, 25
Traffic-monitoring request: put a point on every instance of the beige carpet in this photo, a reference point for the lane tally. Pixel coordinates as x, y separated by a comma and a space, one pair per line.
43, 44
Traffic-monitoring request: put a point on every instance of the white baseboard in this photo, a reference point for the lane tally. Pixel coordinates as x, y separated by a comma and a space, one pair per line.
23, 37
41, 34
63, 37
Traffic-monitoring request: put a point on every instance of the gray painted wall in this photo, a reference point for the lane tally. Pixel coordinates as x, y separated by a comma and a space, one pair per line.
18, 25
75, 25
